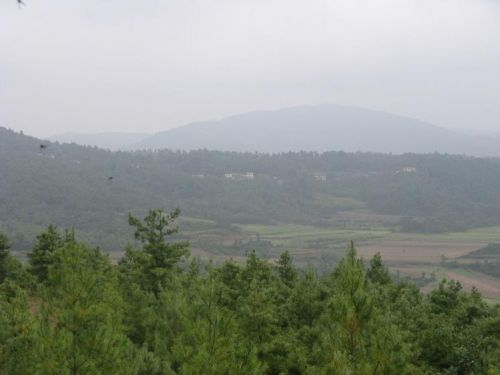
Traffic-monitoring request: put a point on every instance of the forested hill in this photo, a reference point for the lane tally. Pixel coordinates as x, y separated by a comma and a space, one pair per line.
71, 311
320, 128
93, 190
112, 141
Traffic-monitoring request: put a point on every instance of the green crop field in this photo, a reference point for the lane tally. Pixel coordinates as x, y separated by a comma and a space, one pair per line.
408, 254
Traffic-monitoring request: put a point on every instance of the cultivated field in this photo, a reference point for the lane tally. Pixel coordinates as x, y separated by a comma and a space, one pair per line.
408, 255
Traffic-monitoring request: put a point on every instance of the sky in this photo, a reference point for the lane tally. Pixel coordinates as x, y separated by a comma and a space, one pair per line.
150, 65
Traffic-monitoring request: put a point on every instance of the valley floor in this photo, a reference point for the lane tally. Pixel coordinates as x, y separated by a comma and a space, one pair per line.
423, 258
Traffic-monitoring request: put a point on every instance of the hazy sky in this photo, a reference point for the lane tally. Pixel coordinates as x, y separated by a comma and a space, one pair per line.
150, 65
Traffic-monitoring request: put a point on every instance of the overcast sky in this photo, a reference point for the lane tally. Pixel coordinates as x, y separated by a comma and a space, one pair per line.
150, 65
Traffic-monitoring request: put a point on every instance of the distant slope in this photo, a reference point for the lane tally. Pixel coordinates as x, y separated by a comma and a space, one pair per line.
110, 141
491, 251
320, 128
70, 186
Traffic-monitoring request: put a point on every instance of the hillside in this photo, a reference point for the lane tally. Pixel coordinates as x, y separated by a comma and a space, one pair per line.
491, 251
110, 141
320, 128
93, 190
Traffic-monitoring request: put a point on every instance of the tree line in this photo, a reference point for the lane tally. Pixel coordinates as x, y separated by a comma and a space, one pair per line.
70, 310
70, 185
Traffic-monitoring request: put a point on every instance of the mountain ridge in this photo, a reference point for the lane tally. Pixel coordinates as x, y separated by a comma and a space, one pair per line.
107, 140
320, 128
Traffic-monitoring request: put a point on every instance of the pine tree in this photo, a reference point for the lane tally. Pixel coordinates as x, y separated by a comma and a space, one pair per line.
352, 305
17, 340
210, 342
285, 268
355, 336
42, 255
4, 255
161, 256
80, 325
378, 273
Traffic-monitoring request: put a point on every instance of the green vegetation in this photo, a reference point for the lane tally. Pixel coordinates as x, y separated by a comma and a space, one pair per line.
485, 260
491, 251
72, 311
487, 268
93, 191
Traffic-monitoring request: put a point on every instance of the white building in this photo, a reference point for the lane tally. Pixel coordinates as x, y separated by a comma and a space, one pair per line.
240, 176
407, 170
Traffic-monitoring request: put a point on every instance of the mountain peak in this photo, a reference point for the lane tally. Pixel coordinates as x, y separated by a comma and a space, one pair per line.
325, 127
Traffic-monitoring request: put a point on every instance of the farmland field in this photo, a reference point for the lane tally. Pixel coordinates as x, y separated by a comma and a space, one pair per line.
406, 254
421, 257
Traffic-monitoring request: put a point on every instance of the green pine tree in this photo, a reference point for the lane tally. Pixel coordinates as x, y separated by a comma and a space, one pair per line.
4, 255
159, 257
80, 323
378, 273
42, 255
17, 339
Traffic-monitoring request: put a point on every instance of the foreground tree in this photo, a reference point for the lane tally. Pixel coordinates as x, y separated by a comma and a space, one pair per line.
10, 267
210, 341
80, 325
355, 337
144, 273
4, 255
17, 332
41, 256
378, 273
154, 263
149, 316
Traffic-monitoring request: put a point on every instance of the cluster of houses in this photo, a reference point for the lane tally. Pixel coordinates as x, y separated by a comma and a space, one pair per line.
248, 176
240, 176
406, 170
231, 176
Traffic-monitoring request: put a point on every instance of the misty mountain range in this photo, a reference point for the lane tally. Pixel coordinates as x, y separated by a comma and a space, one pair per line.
303, 128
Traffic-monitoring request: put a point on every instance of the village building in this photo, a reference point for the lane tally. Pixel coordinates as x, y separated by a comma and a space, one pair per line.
407, 170
240, 176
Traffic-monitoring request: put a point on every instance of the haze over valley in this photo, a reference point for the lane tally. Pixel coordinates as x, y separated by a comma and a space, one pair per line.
309, 203
303, 128
227, 187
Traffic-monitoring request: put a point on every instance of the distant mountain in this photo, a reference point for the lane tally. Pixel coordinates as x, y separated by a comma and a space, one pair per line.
321, 128
111, 141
